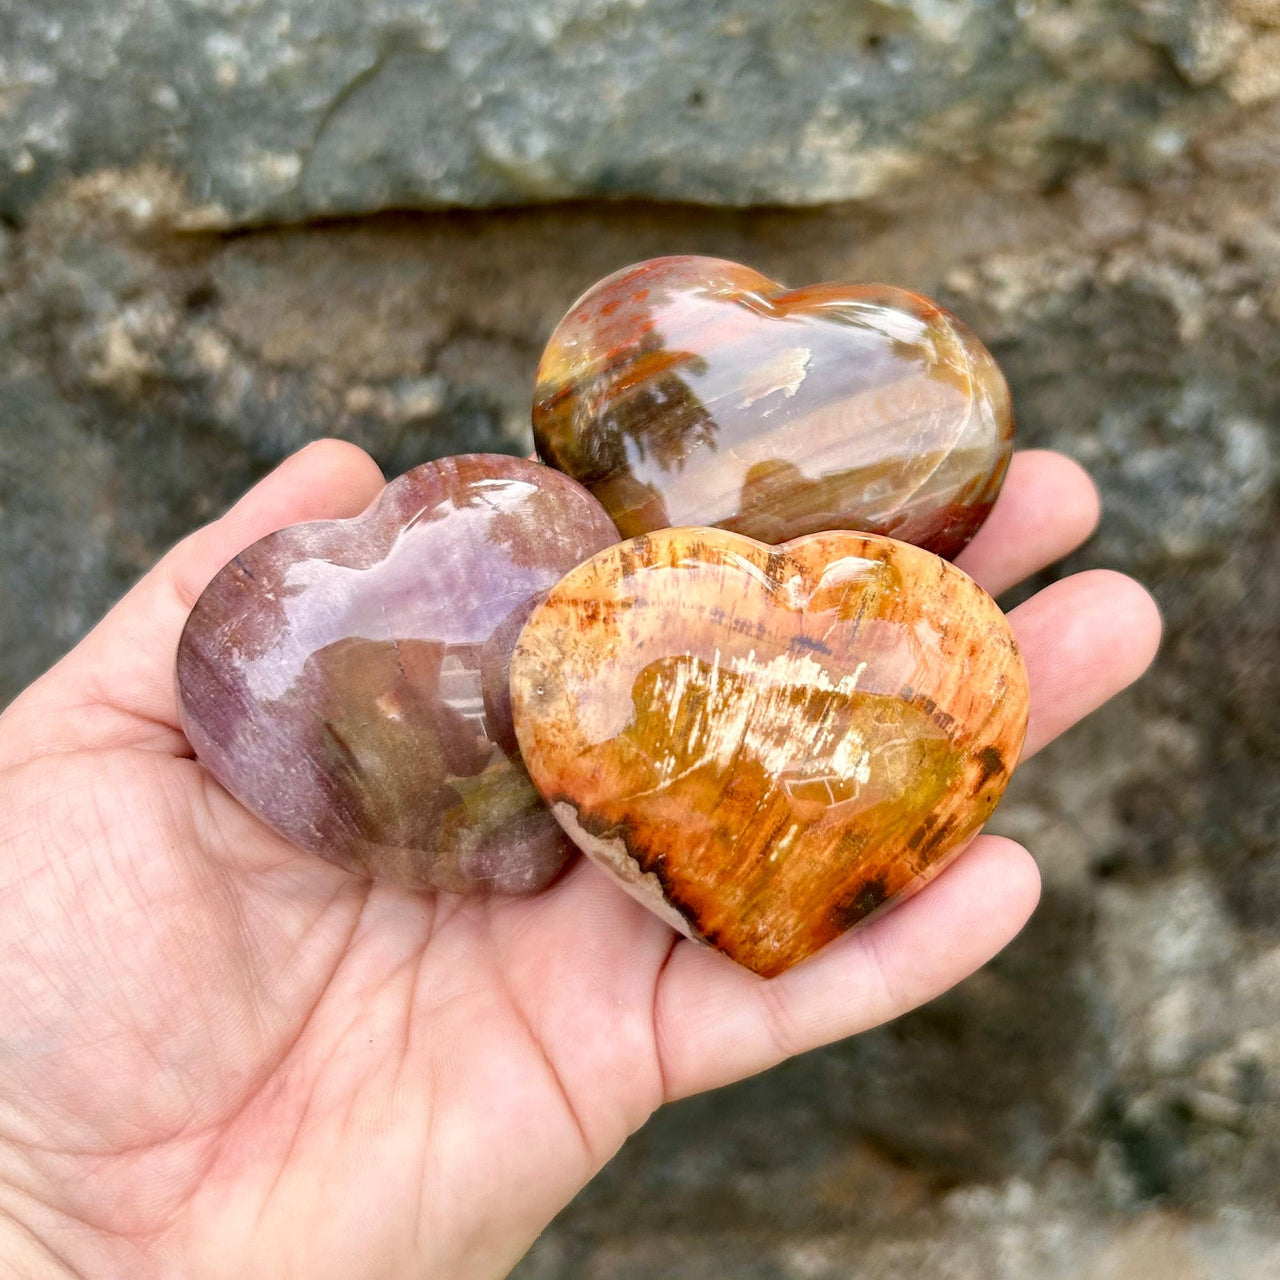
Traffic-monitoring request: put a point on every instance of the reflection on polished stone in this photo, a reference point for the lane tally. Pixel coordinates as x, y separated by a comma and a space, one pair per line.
765, 745
347, 680
694, 391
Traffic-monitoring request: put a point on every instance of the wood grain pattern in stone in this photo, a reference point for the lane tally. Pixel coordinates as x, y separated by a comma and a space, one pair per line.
347, 680
766, 745
695, 391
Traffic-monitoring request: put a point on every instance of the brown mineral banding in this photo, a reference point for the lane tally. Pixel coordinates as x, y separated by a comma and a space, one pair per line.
695, 391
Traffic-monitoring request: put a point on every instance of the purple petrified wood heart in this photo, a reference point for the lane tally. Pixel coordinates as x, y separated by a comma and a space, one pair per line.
346, 680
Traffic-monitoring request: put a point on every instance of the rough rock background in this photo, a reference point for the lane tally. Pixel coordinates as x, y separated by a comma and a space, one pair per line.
1094, 186
293, 108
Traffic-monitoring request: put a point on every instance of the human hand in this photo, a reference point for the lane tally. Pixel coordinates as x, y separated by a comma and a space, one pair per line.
224, 1057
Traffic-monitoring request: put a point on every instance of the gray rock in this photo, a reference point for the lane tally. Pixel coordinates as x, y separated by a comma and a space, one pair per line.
287, 109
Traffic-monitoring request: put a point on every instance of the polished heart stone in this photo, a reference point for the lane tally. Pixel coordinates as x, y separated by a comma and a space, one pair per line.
347, 680
693, 391
765, 745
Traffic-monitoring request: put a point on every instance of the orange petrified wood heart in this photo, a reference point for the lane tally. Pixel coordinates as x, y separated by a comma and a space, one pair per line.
765, 745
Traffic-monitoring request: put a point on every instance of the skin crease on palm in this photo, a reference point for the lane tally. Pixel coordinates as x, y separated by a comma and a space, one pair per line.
223, 1057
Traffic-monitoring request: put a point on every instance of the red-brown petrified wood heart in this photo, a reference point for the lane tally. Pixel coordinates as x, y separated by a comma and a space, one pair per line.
694, 391
765, 745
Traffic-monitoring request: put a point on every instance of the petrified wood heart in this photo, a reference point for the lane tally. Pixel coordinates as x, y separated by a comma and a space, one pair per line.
347, 680
766, 745
694, 391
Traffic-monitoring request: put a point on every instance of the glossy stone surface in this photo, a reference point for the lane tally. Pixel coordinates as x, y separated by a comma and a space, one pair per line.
694, 391
347, 680
767, 745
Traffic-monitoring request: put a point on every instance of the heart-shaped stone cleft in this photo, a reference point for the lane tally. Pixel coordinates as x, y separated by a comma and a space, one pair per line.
766, 745
694, 391
347, 680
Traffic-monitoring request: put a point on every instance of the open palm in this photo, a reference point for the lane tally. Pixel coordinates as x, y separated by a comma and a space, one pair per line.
225, 1058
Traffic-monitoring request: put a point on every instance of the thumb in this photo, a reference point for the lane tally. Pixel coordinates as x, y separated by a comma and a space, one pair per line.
116, 687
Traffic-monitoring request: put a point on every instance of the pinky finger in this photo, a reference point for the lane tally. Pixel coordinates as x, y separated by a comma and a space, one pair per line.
717, 1023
